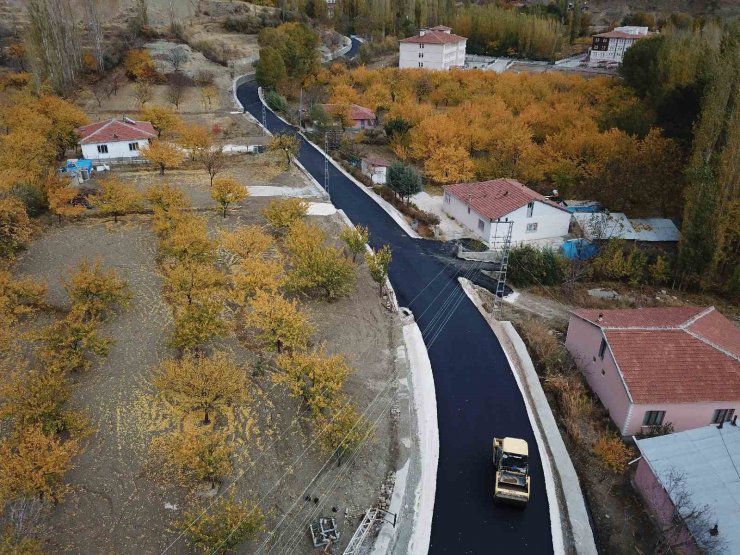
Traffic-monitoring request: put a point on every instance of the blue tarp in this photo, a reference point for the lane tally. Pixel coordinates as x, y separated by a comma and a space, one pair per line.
579, 249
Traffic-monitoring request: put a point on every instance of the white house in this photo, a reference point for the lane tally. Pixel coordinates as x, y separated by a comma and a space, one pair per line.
435, 48
115, 138
482, 206
375, 169
609, 48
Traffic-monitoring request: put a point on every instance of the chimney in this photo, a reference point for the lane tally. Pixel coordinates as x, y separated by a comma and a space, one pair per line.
422, 31
600, 318
555, 193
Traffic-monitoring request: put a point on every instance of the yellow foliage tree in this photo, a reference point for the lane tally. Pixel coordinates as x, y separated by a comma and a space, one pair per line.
94, 291
188, 282
198, 323
15, 227
60, 202
168, 203
117, 198
163, 119
613, 453
197, 139
247, 241
188, 241
356, 239
257, 274
68, 345
227, 190
33, 464
343, 430
193, 456
314, 376
449, 164
283, 213
287, 144
278, 321
163, 155
201, 384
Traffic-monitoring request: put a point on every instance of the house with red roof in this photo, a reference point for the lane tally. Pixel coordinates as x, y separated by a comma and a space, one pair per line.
609, 48
652, 367
482, 206
116, 138
358, 116
435, 48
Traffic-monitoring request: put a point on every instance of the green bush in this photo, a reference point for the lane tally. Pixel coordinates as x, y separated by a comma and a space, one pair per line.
529, 265
275, 101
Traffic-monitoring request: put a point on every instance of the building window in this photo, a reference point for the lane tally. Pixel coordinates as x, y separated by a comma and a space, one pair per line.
531, 228
421, 54
133, 147
421, 45
530, 209
421, 64
481, 225
653, 418
722, 415
602, 348
447, 198
468, 209
102, 149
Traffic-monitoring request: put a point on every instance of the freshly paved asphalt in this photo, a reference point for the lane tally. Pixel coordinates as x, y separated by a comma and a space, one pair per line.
477, 396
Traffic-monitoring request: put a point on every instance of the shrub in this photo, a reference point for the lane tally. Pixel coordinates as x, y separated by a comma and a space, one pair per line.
245, 25
275, 101
211, 52
403, 180
408, 209
612, 453
532, 266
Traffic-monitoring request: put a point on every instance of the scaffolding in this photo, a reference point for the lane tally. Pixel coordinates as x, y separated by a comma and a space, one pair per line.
372, 517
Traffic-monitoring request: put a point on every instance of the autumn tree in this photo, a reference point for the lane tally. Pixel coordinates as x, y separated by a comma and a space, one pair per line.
198, 323
34, 464
343, 430
196, 139
613, 453
283, 213
18, 297
314, 376
315, 265
378, 263
168, 203
403, 180
70, 344
38, 398
15, 227
117, 198
139, 65
193, 456
257, 274
188, 241
142, 92
278, 322
356, 239
95, 292
227, 190
201, 384
188, 282
162, 155
60, 202
249, 241
208, 95
218, 527
176, 86
162, 119
449, 164
286, 144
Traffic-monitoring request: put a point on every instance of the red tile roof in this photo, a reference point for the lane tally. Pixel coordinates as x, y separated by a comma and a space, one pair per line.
434, 37
115, 129
496, 198
380, 162
674, 354
356, 112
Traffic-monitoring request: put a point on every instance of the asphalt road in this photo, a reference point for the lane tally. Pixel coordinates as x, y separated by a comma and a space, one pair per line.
352, 53
477, 396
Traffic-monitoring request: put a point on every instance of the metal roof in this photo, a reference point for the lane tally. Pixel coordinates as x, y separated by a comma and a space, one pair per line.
615, 225
708, 459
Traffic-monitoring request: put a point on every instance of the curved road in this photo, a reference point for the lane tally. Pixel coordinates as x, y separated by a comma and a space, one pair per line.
477, 396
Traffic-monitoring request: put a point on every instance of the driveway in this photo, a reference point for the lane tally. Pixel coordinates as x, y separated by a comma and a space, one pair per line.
477, 396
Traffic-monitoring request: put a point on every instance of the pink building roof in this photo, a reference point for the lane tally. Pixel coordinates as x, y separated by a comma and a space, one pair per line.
380, 162
672, 354
356, 113
114, 129
434, 37
496, 198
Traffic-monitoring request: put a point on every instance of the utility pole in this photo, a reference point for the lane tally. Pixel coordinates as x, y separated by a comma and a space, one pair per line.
300, 111
264, 119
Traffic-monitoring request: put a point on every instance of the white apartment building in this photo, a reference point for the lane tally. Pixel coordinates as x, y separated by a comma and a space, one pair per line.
609, 48
436, 48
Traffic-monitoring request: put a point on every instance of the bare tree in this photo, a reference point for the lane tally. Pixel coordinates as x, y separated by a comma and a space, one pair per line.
100, 91
96, 32
176, 88
177, 56
22, 518
142, 92
690, 522
113, 84
53, 41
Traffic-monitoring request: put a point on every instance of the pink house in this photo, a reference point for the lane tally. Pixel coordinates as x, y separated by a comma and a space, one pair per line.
689, 480
658, 366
